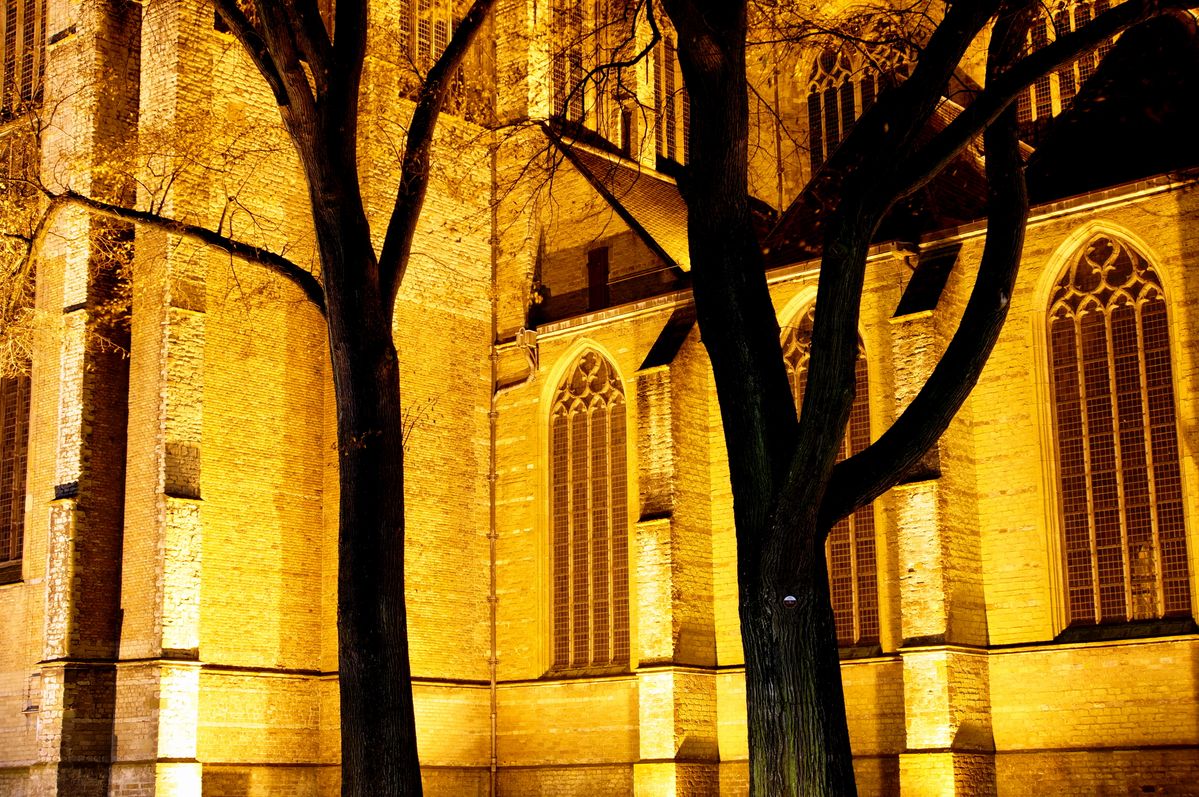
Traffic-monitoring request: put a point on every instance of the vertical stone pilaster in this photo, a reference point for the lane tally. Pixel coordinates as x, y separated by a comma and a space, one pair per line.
655, 612
676, 644
158, 679
655, 452
678, 746
91, 66
949, 744
158, 696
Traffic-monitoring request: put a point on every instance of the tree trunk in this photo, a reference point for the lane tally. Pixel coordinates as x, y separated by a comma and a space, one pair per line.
378, 728
798, 736
378, 731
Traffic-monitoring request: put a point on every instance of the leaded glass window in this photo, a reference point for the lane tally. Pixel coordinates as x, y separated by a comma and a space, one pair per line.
852, 562
840, 89
672, 133
24, 56
566, 60
589, 517
1053, 94
1119, 479
14, 450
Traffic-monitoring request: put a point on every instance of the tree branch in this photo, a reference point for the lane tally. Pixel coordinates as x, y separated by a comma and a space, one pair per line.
280, 265
279, 29
349, 52
866, 475
242, 29
1000, 93
414, 169
314, 43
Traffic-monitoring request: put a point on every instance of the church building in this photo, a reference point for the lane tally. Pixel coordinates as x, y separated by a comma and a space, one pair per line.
1018, 617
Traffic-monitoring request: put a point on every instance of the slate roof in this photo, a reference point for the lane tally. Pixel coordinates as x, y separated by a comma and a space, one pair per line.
955, 196
648, 201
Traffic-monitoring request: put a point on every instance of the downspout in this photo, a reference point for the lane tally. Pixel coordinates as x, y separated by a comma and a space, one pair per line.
492, 475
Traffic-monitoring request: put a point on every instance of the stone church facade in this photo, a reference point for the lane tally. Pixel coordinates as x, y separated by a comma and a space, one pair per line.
1018, 617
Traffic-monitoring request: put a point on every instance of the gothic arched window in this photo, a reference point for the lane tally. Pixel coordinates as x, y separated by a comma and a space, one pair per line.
1119, 479
852, 563
1052, 94
589, 517
840, 89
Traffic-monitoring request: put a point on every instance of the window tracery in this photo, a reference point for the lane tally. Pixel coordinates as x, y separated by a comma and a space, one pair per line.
589, 517
1119, 477
851, 554
841, 87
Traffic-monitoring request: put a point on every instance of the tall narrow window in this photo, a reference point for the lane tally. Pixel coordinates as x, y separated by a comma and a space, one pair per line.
590, 518
24, 55
424, 30
1052, 94
673, 131
14, 447
840, 89
566, 60
1119, 479
852, 563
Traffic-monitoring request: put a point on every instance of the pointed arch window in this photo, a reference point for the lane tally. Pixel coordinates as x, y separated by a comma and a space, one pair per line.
852, 561
1119, 479
841, 88
589, 517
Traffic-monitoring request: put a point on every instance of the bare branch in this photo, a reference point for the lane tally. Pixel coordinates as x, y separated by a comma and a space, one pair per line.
868, 474
315, 45
302, 278
349, 52
1001, 92
279, 31
414, 169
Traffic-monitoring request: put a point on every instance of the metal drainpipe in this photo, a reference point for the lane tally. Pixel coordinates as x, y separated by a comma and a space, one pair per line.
778, 138
492, 475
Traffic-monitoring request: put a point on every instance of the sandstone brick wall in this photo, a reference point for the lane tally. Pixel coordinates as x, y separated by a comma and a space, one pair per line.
228, 630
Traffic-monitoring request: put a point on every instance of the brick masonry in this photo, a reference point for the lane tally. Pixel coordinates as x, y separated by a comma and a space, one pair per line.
174, 631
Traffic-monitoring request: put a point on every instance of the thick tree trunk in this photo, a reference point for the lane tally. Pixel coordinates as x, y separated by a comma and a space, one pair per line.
798, 736
378, 732
378, 728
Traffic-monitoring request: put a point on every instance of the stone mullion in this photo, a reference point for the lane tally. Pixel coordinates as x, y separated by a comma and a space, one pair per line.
1085, 438
1150, 475
1118, 456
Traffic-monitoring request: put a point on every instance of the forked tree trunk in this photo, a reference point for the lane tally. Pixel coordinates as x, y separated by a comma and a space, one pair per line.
378, 729
798, 736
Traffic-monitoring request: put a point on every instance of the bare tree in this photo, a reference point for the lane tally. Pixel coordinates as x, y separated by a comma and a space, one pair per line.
788, 488
315, 79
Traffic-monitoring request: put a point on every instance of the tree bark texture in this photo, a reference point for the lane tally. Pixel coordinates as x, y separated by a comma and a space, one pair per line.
799, 739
